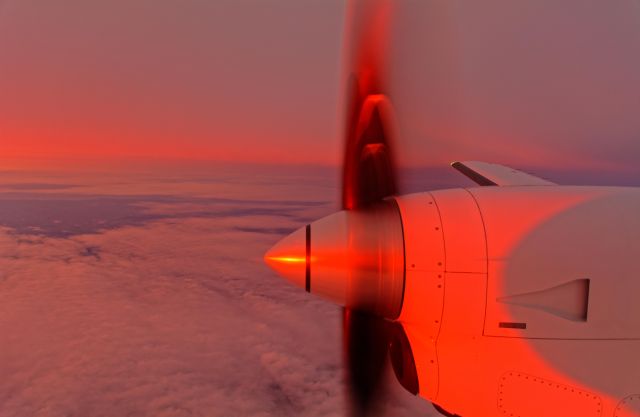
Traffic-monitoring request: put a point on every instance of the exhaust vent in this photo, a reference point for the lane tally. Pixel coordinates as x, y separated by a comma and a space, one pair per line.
569, 301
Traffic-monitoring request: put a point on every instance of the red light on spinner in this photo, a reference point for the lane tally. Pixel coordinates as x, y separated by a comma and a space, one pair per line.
290, 258
354, 258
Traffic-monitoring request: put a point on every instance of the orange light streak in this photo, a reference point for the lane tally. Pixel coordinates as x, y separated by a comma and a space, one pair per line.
287, 259
290, 259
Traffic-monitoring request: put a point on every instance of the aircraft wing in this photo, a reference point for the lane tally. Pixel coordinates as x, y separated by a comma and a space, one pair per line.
484, 173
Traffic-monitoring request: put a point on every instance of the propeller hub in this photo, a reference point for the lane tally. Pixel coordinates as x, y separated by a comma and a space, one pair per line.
354, 258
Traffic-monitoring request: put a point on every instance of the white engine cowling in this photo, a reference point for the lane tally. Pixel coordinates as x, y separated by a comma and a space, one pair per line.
523, 300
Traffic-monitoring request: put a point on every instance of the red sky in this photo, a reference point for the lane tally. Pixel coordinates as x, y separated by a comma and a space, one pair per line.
230, 80
520, 83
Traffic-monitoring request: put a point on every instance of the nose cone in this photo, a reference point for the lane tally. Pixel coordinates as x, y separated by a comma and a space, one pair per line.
290, 257
352, 258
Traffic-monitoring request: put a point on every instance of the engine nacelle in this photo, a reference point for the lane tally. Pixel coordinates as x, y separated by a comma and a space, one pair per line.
517, 302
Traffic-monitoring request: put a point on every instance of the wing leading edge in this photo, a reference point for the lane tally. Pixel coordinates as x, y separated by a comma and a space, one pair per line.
486, 174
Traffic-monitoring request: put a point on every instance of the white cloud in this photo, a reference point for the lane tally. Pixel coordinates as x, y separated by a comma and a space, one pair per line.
177, 317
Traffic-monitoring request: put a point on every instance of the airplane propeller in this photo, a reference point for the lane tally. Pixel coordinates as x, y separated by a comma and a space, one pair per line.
368, 177
355, 257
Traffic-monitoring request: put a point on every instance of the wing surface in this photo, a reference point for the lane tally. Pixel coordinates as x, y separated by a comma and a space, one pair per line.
485, 174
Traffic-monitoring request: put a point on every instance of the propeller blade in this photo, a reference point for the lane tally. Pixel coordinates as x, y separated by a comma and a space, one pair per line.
366, 348
369, 175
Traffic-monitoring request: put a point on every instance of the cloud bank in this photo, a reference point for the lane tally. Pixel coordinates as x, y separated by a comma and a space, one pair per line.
169, 314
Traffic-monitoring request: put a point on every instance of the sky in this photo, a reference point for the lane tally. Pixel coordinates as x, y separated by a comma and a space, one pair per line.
224, 80
548, 85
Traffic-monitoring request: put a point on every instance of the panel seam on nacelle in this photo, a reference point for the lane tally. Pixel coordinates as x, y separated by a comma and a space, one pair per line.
444, 287
444, 241
404, 255
486, 249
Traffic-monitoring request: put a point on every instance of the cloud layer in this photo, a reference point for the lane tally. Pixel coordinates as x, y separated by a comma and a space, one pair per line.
173, 314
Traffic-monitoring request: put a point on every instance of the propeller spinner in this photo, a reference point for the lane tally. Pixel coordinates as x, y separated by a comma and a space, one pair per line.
354, 258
